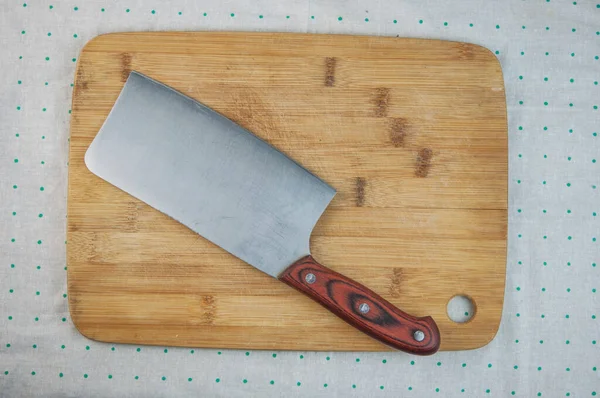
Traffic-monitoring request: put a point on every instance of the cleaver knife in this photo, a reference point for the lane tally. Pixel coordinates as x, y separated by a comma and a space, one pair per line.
242, 194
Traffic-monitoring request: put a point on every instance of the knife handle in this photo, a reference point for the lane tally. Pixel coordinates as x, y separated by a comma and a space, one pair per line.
362, 308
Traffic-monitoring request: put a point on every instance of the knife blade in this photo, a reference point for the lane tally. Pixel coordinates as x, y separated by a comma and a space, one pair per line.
234, 189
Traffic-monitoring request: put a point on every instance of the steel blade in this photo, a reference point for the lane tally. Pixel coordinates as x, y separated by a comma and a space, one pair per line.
208, 173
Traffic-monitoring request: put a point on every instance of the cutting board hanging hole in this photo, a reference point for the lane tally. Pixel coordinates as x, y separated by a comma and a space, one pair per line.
461, 309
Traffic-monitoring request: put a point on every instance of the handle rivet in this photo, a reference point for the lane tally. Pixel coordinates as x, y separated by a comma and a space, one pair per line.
419, 335
310, 278
364, 308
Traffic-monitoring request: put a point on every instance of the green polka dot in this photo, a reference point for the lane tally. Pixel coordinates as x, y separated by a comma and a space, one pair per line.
39, 242
205, 14
325, 385
60, 374
272, 382
62, 346
127, 10
153, 12
420, 21
357, 359
298, 384
64, 319
366, 19
102, 9
110, 376
445, 23
163, 378
274, 355
189, 379
247, 353
33, 373
87, 347
244, 381
75, 8
340, 18
136, 377
217, 380
384, 361
138, 349
232, 15
381, 387
192, 351
301, 356
85, 376
260, 16
439, 364
165, 350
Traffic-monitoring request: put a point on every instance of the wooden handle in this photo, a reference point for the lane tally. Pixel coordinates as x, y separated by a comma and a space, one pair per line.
363, 308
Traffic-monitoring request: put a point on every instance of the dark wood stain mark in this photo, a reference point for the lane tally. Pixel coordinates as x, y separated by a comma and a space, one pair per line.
330, 71
395, 280
208, 310
81, 84
125, 66
382, 99
398, 131
423, 162
361, 186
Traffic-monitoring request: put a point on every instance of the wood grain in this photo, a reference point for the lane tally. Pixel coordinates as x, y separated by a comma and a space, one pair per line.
345, 298
411, 133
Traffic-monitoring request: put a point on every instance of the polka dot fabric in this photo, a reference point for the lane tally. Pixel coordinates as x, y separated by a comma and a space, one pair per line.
548, 344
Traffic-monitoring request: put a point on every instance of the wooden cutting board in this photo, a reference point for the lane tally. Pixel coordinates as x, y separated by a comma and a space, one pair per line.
412, 134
